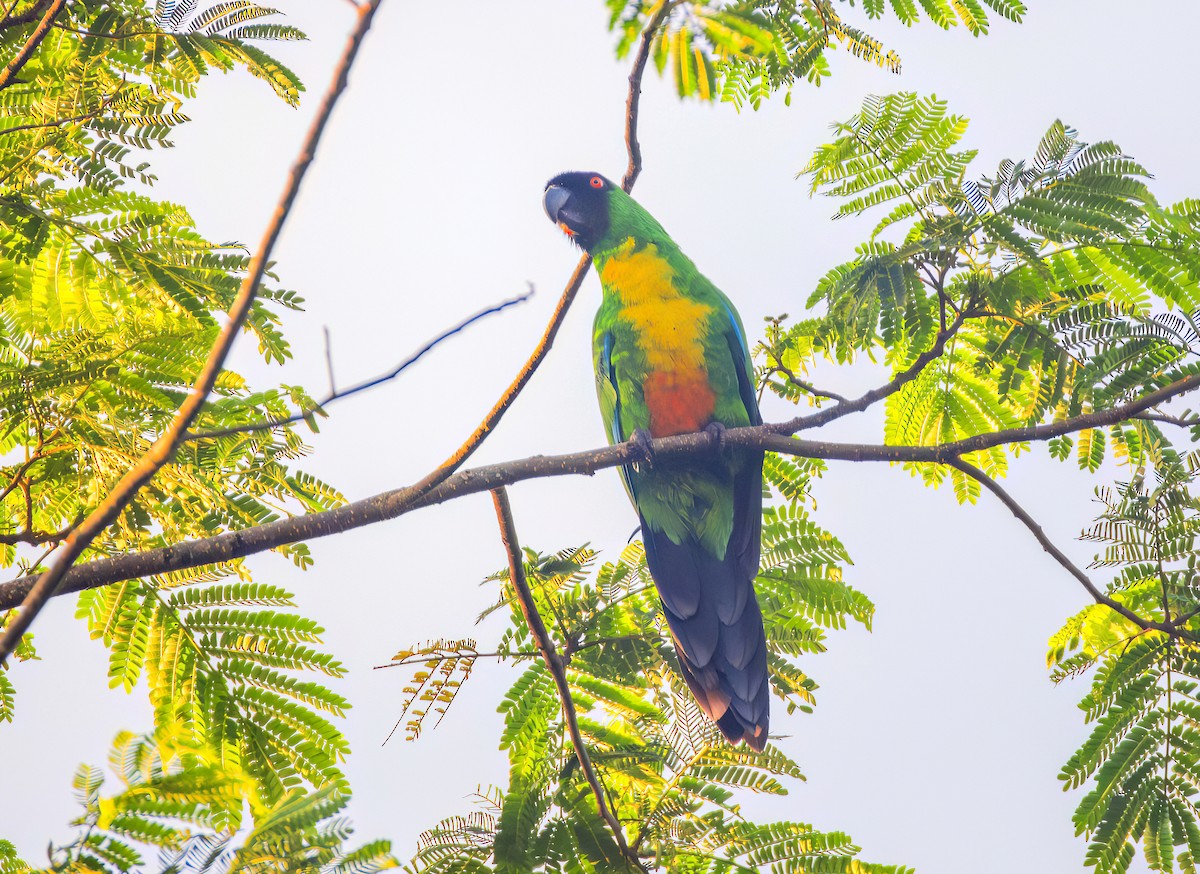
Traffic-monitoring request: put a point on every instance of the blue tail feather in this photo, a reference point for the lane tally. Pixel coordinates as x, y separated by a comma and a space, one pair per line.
718, 629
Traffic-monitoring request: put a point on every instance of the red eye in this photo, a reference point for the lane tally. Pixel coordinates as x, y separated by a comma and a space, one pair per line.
597, 182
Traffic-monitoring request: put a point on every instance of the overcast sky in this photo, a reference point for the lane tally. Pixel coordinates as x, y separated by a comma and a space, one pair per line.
937, 738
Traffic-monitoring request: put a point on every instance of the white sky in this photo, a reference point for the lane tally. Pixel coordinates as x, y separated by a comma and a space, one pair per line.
937, 739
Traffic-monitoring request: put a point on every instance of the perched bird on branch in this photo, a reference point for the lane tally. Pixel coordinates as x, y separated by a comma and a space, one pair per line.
671, 357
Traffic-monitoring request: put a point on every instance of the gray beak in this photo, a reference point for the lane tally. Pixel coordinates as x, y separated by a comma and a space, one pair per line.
554, 200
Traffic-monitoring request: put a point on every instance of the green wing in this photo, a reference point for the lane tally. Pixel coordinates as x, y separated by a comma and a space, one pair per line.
610, 400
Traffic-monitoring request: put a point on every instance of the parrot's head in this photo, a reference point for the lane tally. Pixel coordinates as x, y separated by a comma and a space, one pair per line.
579, 204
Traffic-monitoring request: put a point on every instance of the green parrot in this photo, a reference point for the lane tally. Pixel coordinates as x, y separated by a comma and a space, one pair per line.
671, 357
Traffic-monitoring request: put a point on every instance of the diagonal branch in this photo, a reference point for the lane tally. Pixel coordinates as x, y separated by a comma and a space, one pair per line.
390, 505
1059, 556
409, 498
8, 74
845, 407
943, 453
164, 447
555, 663
336, 395
8, 20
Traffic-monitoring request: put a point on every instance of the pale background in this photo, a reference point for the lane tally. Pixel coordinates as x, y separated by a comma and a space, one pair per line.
937, 739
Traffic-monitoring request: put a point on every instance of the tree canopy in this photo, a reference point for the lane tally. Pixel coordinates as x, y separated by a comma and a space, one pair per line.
1050, 301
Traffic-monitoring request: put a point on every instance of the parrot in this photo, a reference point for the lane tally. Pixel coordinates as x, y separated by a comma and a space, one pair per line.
671, 357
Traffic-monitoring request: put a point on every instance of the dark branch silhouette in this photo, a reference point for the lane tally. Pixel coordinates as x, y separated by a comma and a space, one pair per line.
336, 395
633, 100
1168, 627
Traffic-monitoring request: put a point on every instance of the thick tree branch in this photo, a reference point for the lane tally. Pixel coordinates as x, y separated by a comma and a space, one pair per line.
33, 13
164, 447
555, 664
9, 73
389, 505
943, 453
336, 395
1059, 556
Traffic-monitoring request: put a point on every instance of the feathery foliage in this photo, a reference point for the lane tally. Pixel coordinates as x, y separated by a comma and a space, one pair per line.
109, 303
1139, 763
111, 79
665, 767
744, 51
1055, 287
198, 814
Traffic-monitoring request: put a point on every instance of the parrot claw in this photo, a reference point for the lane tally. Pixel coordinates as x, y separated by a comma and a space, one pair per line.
641, 439
717, 431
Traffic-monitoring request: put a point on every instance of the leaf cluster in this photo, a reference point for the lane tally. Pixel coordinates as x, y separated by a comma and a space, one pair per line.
111, 79
744, 51
668, 774
199, 815
1139, 763
1055, 287
109, 303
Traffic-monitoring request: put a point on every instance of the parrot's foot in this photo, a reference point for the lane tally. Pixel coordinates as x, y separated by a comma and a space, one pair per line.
717, 431
641, 439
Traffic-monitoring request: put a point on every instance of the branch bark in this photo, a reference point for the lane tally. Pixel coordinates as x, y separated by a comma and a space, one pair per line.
164, 447
389, 505
410, 497
845, 407
9, 73
8, 20
337, 395
633, 100
1059, 556
555, 664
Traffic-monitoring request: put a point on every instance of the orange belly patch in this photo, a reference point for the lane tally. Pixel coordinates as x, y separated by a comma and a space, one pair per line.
678, 403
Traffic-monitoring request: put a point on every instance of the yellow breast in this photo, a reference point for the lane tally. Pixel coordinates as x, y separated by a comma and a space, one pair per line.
669, 325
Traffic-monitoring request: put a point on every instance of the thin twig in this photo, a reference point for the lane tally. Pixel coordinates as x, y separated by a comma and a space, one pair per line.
329, 363
806, 387
814, 420
35, 538
391, 504
1164, 418
87, 116
8, 74
411, 496
633, 99
419, 659
1058, 555
132, 34
336, 395
164, 447
555, 664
